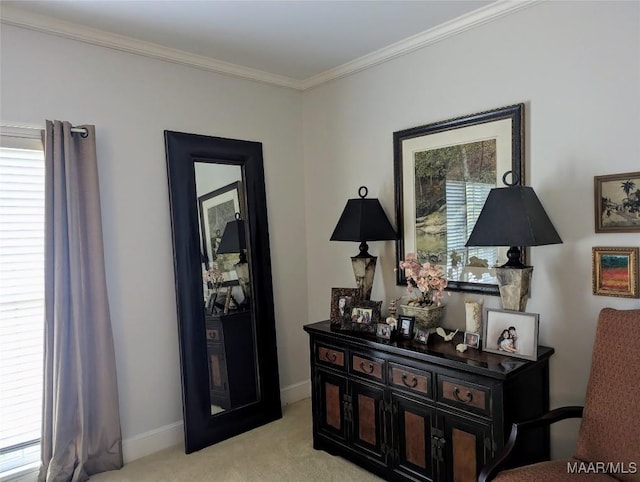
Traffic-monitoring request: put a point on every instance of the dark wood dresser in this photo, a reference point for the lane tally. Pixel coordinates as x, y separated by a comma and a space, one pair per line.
231, 357
406, 411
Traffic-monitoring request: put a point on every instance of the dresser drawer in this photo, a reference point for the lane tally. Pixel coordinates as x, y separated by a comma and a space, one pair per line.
214, 334
410, 379
330, 356
368, 366
465, 395
214, 329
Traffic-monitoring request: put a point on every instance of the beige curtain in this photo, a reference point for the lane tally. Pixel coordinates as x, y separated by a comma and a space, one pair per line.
81, 420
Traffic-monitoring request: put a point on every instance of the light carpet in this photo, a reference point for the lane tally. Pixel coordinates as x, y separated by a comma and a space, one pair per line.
280, 451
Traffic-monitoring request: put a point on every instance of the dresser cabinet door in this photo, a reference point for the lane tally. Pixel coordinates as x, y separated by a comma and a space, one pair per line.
366, 409
330, 417
466, 447
412, 433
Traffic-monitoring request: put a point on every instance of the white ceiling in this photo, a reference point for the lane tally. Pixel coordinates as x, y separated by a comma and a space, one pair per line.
292, 41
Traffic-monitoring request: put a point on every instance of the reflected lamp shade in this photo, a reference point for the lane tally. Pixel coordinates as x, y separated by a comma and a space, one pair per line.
513, 216
363, 220
233, 238
234, 241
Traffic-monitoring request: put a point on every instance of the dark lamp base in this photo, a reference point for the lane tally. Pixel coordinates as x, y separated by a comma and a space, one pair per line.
514, 260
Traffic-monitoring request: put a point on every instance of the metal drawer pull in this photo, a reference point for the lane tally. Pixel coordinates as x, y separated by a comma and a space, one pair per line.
456, 393
413, 384
366, 370
331, 358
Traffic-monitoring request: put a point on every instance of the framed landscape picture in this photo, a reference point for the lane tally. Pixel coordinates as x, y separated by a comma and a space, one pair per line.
615, 272
443, 174
617, 203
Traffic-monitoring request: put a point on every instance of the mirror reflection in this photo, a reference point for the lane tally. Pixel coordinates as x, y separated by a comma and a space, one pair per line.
226, 283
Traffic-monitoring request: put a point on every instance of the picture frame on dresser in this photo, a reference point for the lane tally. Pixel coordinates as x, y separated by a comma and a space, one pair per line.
421, 335
383, 331
405, 326
472, 340
511, 333
341, 300
364, 315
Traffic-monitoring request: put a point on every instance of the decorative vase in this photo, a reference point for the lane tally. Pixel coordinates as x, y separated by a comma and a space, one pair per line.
426, 316
473, 316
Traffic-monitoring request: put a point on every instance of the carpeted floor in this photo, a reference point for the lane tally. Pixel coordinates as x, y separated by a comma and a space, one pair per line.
280, 451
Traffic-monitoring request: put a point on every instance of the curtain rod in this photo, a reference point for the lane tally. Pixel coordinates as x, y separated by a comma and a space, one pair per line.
79, 130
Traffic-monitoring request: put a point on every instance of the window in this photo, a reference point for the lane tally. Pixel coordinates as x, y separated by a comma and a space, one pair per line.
21, 300
465, 200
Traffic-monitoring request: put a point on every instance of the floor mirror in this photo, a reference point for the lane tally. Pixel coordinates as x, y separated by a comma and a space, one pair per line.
224, 293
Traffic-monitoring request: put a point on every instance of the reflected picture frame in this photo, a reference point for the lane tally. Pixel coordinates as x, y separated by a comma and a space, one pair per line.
511, 333
615, 271
428, 148
617, 203
215, 210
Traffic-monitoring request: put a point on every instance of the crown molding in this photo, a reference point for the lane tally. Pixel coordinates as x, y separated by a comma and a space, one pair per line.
40, 23
60, 28
445, 30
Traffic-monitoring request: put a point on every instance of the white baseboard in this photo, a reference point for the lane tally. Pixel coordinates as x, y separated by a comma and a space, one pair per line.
173, 434
152, 441
295, 393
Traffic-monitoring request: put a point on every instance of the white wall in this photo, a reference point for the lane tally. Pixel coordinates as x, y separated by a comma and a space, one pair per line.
132, 100
576, 66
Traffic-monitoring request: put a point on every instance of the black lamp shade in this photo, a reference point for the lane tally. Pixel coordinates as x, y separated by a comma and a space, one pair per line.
363, 220
233, 239
513, 216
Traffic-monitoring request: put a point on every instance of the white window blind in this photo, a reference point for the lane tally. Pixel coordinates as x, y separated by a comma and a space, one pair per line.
21, 303
464, 203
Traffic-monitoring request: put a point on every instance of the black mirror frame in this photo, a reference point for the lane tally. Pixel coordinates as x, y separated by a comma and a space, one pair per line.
513, 112
200, 427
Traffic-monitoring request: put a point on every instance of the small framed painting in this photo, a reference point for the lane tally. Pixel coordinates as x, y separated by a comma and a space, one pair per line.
615, 272
511, 333
617, 203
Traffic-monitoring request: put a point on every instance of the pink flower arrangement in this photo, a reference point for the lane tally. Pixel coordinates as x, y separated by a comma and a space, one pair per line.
213, 277
428, 278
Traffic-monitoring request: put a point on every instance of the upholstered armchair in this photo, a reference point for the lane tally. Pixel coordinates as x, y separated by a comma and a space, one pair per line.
608, 445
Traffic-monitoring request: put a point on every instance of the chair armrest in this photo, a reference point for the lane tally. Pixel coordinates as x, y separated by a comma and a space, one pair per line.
490, 470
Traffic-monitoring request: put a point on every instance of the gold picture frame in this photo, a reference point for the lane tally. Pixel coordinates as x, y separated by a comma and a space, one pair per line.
615, 271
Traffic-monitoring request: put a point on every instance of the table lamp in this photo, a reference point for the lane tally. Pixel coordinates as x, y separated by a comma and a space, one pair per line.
234, 241
363, 220
513, 216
